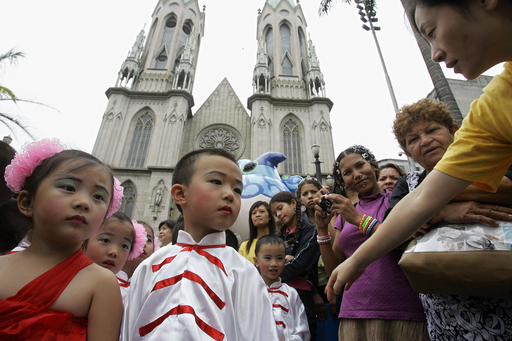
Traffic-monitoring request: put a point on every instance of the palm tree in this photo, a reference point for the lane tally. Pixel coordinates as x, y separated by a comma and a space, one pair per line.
444, 93
7, 95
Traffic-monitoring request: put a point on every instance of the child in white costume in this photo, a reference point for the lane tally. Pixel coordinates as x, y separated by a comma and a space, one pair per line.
199, 289
289, 312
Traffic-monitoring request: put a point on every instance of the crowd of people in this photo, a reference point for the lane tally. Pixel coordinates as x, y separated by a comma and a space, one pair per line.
74, 268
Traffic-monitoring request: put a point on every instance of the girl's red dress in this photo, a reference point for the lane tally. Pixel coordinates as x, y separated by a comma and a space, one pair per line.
25, 316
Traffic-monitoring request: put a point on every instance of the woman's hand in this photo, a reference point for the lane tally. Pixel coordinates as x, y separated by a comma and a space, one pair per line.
344, 207
344, 275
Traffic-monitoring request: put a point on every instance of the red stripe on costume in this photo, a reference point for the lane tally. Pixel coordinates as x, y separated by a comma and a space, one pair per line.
281, 323
278, 292
199, 249
157, 267
281, 307
123, 283
193, 277
182, 309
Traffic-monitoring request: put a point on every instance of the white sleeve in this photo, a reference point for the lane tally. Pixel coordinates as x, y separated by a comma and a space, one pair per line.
133, 304
255, 320
300, 329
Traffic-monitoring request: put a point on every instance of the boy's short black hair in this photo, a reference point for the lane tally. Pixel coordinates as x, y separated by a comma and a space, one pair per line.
185, 167
268, 239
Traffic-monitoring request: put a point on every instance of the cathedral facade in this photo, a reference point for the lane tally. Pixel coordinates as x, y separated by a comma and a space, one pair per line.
148, 124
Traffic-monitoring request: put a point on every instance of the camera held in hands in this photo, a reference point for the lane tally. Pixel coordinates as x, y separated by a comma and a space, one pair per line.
326, 205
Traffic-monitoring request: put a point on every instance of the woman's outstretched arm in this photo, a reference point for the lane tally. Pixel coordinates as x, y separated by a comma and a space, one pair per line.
407, 217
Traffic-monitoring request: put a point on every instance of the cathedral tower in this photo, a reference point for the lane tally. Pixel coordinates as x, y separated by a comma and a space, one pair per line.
141, 134
289, 107
148, 123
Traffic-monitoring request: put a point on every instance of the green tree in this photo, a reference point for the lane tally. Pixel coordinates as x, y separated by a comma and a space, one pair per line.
444, 93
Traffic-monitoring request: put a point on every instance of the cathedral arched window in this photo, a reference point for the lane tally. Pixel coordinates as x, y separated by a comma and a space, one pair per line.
292, 148
128, 202
169, 27
286, 50
140, 141
269, 41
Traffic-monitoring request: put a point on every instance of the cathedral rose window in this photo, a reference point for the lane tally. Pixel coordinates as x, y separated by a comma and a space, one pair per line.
220, 138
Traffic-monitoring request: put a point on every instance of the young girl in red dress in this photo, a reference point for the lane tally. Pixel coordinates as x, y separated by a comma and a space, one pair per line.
52, 290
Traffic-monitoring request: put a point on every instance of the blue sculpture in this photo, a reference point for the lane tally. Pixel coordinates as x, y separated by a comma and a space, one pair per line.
261, 182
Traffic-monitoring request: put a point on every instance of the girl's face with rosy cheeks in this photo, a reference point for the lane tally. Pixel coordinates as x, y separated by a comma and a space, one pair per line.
111, 245
285, 213
149, 247
359, 175
70, 204
260, 217
270, 260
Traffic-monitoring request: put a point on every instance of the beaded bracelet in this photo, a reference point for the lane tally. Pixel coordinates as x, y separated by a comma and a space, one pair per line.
367, 224
324, 240
372, 225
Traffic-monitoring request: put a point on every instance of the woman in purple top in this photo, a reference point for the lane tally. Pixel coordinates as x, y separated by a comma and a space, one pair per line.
381, 305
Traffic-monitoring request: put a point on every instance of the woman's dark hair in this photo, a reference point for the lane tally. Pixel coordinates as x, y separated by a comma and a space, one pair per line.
253, 230
14, 226
395, 167
231, 239
410, 8
268, 240
169, 222
287, 197
6, 155
355, 149
79, 158
180, 226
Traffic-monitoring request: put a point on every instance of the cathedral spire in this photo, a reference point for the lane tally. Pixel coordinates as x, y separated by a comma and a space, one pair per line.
261, 75
131, 66
314, 77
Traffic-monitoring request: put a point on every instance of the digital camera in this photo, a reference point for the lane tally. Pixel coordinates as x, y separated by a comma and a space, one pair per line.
326, 205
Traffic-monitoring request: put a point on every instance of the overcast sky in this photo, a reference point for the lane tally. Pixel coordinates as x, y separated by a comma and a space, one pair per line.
74, 51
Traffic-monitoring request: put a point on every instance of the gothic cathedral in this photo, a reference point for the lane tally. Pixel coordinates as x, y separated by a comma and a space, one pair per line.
148, 123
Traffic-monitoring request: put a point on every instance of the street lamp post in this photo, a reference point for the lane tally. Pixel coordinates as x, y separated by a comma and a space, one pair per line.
316, 153
371, 19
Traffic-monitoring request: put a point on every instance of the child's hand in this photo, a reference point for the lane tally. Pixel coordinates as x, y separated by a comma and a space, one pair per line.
288, 258
321, 311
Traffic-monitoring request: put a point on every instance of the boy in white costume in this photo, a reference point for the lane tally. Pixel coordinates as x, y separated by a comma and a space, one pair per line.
199, 289
289, 312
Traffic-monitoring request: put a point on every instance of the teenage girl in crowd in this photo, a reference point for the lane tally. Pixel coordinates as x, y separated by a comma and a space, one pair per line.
302, 252
261, 223
52, 290
308, 191
470, 36
150, 245
389, 175
117, 240
382, 304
